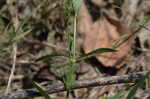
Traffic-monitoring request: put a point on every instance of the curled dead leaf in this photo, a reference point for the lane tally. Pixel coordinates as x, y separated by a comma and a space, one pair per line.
84, 19
101, 35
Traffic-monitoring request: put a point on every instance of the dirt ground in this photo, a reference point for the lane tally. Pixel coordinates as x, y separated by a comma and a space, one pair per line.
48, 24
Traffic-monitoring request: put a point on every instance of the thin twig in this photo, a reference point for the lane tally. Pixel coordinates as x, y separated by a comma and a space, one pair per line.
15, 21
13, 68
99, 81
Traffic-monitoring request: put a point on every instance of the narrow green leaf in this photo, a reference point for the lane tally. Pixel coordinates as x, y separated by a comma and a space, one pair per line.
3, 51
41, 90
47, 57
1, 21
51, 0
71, 47
141, 24
77, 4
105, 97
25, 21
122, 37
20, 36
4, 20
97, 51
117, 96
19, 33
135, 87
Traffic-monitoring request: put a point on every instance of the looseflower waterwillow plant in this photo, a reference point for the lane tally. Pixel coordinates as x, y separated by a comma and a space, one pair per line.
71, 9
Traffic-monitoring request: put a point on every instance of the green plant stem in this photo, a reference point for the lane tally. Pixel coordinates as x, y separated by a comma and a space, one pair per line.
74, 38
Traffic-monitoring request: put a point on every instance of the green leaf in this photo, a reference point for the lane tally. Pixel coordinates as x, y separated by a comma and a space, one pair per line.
141, 24
3, 51
77, 5
68, 8
19, 33
1, 20
105, 97
22, 24
4, 20
20, 36
97, 51
135, 87
117, 96
116, 41
51, 0
71, 47
41, 90
69, 78
47, 57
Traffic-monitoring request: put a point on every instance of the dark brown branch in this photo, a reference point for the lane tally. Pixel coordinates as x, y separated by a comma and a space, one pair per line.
99, 81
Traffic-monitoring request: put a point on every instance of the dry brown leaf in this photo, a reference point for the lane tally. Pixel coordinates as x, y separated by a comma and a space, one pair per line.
84, 20
101, 35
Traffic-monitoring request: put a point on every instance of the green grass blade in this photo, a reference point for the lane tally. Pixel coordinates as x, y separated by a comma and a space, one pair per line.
3, 51
105, 97
22, 24
3, 20
97, 51
47, 57
117, 96
51, 1
135, 87
116, 41
20, 32
141, 24
40, 89
18, 37
77, 4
